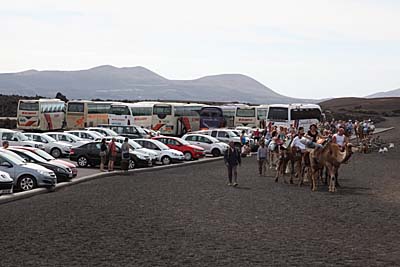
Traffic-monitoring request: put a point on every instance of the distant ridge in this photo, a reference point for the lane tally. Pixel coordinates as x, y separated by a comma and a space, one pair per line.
392, 93
138, 83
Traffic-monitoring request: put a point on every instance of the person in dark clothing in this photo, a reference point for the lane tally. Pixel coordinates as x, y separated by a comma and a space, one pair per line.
232, 160
103, 154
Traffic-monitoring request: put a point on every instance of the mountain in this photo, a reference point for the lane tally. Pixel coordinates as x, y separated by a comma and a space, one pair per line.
138, 83
392, 93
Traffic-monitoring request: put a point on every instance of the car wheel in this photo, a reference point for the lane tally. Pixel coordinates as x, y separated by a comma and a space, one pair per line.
166, 160
216, 152
188, 155
82, 161
55, 152
132, 164
26, 183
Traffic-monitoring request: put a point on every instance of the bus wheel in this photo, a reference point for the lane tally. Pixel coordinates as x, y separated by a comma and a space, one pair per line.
55, 152
215, 152
188, 156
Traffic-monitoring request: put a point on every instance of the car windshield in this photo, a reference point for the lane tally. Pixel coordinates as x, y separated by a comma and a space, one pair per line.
32, 155
13, 157
21, 136
162, 146
134, 144
96, 134
44, 154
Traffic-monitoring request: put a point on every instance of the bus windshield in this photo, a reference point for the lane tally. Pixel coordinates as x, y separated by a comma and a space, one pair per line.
278, 114
162, 110
246, 112
304, 114
31, 106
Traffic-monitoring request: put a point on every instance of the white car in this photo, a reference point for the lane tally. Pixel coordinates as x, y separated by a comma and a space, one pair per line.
87, 135
210, 144
223, 135
51, 145
6, 183
136, 147
67, 138
104, 131
165, 155
16, 138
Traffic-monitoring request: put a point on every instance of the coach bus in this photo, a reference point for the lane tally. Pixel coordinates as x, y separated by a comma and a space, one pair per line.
85, 113
140, 114
211, 117
245, 116
176, 118
261, 116
295, 115
41, 114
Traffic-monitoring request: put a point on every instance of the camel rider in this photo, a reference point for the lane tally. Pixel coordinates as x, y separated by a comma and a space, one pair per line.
312, 136
340, 139
297, 143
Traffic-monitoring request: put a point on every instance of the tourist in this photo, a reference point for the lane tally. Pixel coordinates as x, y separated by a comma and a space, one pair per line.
340, 139
262, 154
112, 149
232, 160
103, 154
5, 144
246, 150
125, 156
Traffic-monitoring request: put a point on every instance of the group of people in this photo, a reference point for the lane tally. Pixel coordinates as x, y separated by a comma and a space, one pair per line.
110, 150
273, 138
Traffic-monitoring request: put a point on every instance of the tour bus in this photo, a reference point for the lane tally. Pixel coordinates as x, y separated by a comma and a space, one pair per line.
140, 114
296, 115
85, 113
245, 116
41, 114
229, 112
176, 118
261, 116
211, 117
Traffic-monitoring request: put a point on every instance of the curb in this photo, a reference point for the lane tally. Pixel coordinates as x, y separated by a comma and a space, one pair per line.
22, 195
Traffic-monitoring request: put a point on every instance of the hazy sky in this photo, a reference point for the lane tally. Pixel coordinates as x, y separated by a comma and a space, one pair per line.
299, 48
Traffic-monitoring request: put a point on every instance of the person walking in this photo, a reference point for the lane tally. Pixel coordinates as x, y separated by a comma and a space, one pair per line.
125, 155
112, 150
232, 160
262, 153
103, 154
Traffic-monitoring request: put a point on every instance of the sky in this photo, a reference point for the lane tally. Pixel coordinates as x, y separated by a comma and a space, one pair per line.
307, 48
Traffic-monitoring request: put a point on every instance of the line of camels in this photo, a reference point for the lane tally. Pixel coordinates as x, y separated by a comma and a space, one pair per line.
312, 163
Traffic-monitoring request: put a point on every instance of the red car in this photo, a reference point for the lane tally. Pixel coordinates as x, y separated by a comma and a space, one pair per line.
189, 151
41, 153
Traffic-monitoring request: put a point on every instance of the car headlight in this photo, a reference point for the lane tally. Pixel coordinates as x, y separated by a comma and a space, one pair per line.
46, 173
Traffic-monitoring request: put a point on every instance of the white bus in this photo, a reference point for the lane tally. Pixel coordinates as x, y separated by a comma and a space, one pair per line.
245, 116
124, 114
176, 118
296, 115
41, 114
84, 113
261, 116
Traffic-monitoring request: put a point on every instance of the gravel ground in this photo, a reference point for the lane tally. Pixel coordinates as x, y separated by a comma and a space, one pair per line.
189, 217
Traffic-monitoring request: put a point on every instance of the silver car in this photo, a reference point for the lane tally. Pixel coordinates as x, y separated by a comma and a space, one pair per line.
26, 176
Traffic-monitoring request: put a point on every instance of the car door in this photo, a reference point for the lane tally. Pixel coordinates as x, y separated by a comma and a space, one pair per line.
174, 144
223, 136
205, 143
93, 152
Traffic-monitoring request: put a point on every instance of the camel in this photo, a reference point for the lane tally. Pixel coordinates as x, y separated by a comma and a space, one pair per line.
287, 156
330, 157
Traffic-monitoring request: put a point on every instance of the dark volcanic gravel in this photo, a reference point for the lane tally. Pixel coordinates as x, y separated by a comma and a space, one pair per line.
189, 217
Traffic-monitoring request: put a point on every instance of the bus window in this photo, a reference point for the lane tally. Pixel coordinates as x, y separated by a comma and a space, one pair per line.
76, 107
29, 106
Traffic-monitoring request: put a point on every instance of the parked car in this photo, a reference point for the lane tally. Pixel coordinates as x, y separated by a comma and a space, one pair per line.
51, 145
130, 131
87, 135
67, 138
88, 154
136, 147
165, 155
51, 159
104, 131
26, 176
210, 144
189, 151
16, 138
223, 135
63, 173
6, 183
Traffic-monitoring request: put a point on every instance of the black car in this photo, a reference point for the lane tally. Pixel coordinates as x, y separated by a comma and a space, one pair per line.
62, 172
89, 154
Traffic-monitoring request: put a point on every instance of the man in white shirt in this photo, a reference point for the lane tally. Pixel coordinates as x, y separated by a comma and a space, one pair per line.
340, 139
